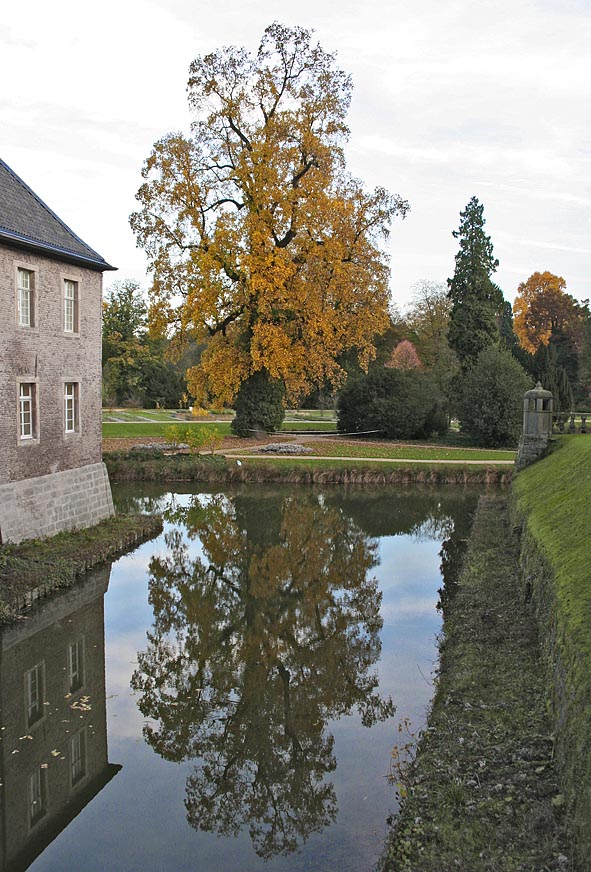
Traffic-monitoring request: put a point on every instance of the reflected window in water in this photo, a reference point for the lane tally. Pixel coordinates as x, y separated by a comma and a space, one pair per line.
37, 795
75, 665
78, 757
34, 693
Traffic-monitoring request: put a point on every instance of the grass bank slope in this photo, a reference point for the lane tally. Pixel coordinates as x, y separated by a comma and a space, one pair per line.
38, 567
553, 501
154, 466
483, 793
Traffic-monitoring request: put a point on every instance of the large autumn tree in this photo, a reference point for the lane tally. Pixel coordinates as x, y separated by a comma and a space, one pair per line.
476, 301
256, 234
542, 310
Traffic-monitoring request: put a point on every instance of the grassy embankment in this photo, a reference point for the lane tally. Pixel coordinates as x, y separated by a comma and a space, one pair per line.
139, 466
552, 500
506, 759
36, 568
482, 792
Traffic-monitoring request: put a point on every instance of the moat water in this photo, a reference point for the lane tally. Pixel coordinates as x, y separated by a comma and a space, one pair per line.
227, 696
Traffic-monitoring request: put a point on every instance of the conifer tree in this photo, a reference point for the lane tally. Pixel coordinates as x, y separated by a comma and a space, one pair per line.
476, 300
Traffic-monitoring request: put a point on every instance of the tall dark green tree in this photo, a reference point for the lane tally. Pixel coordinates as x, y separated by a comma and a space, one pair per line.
136, 368
125, 316
547, 369
476, 301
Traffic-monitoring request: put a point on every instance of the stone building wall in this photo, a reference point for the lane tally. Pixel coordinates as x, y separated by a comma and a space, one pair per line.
47, 356
54, 481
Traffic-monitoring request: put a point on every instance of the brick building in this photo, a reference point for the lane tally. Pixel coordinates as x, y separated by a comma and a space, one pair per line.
54, 751
51, 473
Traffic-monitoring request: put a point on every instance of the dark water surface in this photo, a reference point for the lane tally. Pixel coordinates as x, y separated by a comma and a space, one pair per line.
227, 696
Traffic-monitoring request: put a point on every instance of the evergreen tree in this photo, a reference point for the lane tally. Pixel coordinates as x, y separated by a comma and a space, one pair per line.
553, 377
490, 406
507, 334
476, 300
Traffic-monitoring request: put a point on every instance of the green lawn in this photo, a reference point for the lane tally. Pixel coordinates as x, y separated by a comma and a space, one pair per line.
311, 414
394, 450
300, 420
302, 464
145, 423
325, 426
139, 415
134, 430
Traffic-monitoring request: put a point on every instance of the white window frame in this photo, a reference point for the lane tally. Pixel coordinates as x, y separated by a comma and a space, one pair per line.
76, 665
25, 297
71, 306
27, 411
71, 407
37, 795
35, 693
77, 757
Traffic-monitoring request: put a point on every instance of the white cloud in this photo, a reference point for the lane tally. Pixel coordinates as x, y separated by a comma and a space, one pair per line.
446, 95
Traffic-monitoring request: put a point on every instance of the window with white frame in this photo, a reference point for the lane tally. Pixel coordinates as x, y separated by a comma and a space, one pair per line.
78, 756
76, 665
27, 410
37, 795
25, 288
34, 693
70, 306
71, 412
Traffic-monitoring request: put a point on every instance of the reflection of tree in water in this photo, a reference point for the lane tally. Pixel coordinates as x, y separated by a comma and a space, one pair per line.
429, 514
256, 644
426, 514
453, 549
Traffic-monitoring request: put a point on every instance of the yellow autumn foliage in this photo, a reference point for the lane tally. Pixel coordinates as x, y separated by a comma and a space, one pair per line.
541, 307
256, 235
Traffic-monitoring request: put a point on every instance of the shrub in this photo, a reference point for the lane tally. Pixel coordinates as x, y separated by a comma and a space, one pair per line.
195, 437
400, 404
490, 405
212, 439
174, 435
259, 405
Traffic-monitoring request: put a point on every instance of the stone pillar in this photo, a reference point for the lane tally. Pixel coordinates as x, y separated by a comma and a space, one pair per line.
537, 426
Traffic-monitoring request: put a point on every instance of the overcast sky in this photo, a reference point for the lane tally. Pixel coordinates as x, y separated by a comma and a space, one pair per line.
452, 99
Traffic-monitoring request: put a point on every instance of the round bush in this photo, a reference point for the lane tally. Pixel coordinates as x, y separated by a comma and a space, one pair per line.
258, 406
399, 404
490, 405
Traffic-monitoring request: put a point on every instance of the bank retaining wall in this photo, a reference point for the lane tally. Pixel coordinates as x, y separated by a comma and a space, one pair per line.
45, 505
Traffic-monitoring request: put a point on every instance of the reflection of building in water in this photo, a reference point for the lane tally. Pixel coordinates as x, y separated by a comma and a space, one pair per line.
53, 745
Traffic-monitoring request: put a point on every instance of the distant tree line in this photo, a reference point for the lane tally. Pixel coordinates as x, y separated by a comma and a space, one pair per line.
465, 341
139, 368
